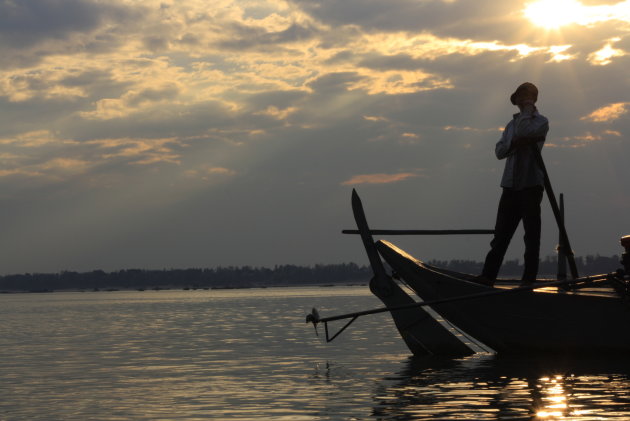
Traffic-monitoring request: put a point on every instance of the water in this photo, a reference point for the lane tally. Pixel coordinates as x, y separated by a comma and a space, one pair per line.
248, 355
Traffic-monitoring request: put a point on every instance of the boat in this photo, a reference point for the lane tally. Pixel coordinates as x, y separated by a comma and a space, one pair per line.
581, 315
526, 321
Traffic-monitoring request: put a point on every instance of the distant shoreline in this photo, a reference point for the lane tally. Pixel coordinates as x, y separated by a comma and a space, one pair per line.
176, 288
217, 278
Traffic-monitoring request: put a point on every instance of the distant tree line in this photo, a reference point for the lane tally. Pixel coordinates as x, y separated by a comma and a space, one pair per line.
220, 277
252, 277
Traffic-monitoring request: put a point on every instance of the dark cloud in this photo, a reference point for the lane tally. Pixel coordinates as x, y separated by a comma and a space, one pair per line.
473, 17
279, 99
242, 37
169, 91
156, 43
24, 23
32, 30
334, 82
189, 39
26, 116
86, 78
344, 56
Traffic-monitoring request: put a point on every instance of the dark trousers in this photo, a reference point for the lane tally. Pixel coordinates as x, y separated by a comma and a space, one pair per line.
514, 206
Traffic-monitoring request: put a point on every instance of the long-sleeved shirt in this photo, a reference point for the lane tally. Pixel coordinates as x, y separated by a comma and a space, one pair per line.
521, 170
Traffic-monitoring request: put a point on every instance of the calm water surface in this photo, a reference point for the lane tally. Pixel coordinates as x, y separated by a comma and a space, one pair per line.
248, 355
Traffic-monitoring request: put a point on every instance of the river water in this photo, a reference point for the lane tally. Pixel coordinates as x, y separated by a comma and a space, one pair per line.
248, 355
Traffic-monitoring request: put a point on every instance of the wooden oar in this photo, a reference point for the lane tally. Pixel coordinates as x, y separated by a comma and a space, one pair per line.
556, 212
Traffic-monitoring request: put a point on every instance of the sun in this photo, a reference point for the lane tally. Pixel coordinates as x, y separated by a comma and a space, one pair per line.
552, 14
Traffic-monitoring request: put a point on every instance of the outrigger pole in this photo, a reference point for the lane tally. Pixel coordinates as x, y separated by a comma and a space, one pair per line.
315, 319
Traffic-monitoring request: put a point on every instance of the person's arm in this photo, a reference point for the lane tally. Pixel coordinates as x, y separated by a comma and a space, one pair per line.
503, 149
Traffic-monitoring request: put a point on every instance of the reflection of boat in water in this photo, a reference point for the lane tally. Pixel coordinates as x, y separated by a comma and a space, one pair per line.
552, 317
492, 387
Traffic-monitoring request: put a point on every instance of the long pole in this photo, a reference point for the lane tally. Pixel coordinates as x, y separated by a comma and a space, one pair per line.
562, 258
556, 212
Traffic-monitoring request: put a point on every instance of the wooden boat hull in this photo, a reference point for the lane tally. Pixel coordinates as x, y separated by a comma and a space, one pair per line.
422, 334
517, 323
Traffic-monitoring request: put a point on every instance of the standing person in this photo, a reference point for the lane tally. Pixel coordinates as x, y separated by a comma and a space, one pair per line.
522, 183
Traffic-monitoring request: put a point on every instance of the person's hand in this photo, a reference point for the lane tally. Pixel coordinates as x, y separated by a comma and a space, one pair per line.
521, 142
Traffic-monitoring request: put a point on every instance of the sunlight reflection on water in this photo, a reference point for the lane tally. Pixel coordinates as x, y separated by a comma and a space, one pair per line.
247, 354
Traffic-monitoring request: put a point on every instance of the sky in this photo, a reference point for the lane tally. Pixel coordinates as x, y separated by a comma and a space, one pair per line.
174, 134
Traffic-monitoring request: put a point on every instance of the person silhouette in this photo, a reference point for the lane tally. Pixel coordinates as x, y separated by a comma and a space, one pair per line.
522, 184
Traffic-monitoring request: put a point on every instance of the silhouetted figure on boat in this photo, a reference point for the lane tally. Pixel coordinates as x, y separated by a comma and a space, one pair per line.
522, 183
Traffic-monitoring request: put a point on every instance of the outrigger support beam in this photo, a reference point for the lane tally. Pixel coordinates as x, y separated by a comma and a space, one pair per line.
315, 319
422, 232
340, 330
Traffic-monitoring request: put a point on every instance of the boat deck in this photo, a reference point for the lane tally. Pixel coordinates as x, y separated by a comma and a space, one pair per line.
597, 291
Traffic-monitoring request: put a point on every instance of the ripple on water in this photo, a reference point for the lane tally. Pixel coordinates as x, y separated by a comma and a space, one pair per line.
247, 355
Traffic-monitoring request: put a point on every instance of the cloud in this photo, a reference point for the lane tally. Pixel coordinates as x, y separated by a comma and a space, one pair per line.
584, 139
605, 55
31, 30
608, 113
44, 157
26, 22
208, 173
374, 118
138, 151
133, 101
471, 129
32, 139
334, 82
408, 15
242, 37
428, 46
56, 169
400, 82
275, 112
410, 135
379, 178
